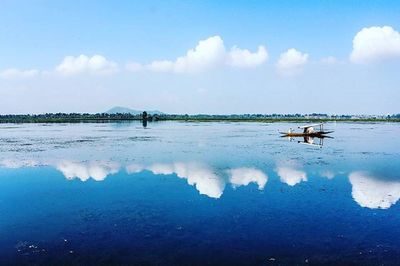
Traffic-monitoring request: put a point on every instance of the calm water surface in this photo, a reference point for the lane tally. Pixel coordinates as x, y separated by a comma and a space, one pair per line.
198, 193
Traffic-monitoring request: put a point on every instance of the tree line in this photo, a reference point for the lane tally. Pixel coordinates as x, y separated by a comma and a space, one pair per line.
105, 117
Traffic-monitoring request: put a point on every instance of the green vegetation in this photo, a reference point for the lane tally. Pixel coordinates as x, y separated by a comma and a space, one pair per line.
105, 117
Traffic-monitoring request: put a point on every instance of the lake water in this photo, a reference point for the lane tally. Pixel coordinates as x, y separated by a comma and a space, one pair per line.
178, 193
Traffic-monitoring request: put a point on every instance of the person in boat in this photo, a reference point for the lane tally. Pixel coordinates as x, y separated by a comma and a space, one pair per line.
308, 130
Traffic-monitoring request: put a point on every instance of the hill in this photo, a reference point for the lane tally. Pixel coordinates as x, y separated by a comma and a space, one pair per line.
125, 110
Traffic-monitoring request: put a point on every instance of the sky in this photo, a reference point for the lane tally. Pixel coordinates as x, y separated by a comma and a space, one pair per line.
212, 57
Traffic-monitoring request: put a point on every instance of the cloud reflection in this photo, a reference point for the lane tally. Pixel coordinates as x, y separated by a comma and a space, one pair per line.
199, 175
368, 190
134, 168
327, 174
291, 173
203, 177
244, 176
97, 170
371, 192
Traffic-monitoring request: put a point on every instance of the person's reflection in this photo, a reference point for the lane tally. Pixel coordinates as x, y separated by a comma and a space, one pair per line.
309, 140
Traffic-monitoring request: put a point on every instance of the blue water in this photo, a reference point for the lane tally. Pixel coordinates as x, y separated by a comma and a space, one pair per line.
198, 193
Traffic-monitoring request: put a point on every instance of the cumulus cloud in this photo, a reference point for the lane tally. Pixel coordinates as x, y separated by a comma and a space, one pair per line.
290, 173
291, 62
97, 170
196, 174
244, 176
96, 64
371, 192
244, 58
13, 73
375, 44
209, 53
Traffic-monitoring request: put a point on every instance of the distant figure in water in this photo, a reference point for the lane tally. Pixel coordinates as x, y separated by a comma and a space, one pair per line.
144, 119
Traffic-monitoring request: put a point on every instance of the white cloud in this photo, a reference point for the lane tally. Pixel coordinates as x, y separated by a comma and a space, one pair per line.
96, 64
291, 62
244, 58
198, 175
210, 53
371, 192
375, 44
244, 176
83, 171
13, 73
291, 173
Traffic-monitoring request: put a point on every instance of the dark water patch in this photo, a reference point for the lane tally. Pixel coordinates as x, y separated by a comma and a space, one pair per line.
8, 140
142, 138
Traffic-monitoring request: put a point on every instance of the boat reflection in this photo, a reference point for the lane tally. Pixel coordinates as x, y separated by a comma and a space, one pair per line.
309, 140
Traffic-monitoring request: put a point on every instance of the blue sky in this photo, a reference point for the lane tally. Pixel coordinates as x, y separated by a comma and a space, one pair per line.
37, 36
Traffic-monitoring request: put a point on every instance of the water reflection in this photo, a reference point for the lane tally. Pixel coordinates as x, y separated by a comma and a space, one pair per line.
98, 171
199, 175
309, 140
205, 179
134, 168
372, 192
244, 176
368, 190
290, 173
14, 164
329, 174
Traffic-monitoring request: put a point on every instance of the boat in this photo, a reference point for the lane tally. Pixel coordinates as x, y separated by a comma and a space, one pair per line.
308, 131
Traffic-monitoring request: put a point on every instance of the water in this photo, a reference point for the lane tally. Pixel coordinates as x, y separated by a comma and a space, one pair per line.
198, 193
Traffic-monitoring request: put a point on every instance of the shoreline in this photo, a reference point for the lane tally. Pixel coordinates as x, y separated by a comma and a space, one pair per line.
190, 120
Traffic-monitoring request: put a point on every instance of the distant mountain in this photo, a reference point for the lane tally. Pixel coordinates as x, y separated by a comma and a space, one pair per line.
125, 110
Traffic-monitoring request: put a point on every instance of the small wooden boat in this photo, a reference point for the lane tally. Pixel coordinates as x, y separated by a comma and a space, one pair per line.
308, 131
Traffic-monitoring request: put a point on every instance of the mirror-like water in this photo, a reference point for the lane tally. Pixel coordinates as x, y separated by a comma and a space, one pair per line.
198, 193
